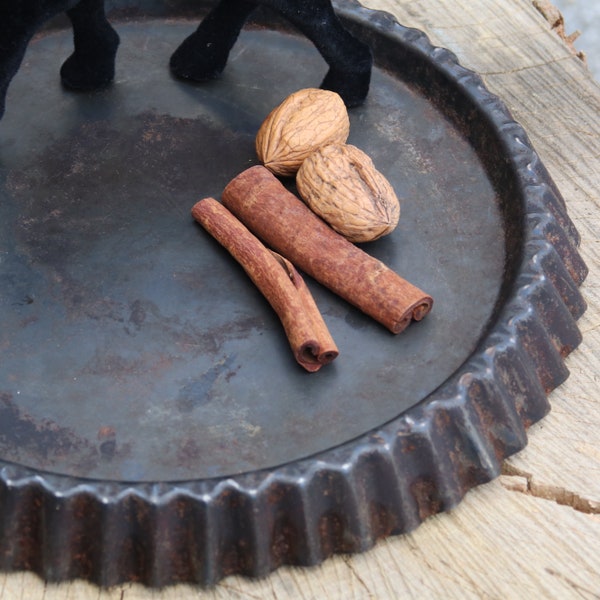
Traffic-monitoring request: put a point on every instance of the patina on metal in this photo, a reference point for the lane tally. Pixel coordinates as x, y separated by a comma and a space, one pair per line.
153, 423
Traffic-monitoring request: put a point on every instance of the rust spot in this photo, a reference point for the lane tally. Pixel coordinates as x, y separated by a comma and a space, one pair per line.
23, 437
189, 451
425, 493
107, 437
137, 315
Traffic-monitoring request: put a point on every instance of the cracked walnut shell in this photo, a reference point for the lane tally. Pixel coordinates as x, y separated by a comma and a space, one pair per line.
304, 121
340, 184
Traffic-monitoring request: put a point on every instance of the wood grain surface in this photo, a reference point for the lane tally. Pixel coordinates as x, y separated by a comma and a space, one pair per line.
535, 531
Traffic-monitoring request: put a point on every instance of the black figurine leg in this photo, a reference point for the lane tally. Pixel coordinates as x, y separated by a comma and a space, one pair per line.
17, 27
203, 55
350, 60
12, 49
92, 64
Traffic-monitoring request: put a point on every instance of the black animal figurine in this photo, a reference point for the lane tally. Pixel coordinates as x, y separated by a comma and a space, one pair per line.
202, 56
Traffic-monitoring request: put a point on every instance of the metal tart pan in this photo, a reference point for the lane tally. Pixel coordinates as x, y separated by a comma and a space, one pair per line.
153, 426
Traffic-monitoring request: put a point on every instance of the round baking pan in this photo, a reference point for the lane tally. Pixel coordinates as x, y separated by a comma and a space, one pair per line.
154, 425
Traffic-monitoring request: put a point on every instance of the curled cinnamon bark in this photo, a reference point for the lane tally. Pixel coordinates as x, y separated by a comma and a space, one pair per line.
286, 224
278, 281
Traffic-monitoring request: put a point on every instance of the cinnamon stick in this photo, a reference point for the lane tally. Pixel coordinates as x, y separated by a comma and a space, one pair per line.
278, 281
286, 224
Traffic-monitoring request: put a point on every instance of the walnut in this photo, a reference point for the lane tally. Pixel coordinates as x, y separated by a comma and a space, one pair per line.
340, 184
304, 121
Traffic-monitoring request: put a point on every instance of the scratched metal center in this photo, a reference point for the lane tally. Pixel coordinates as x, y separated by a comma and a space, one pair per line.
132, 347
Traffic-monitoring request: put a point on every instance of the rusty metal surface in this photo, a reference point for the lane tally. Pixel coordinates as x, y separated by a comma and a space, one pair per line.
153, 424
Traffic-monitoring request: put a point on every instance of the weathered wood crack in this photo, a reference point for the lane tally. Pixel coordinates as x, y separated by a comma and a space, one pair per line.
519, 480
557, 24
